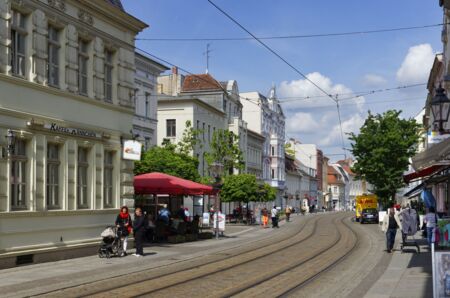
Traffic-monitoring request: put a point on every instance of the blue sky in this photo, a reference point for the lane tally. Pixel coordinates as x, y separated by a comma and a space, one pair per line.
338, 64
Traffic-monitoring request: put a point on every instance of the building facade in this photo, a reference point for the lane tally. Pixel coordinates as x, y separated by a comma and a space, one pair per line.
67, 81
255, 144
145, 123
265, 116
336, 188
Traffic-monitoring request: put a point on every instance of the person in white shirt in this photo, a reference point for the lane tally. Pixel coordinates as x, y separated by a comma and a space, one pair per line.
431, 222
274, 214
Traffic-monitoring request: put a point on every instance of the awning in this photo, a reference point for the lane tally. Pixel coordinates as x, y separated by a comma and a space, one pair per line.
415, 191
159, 183
436, 154
424, 172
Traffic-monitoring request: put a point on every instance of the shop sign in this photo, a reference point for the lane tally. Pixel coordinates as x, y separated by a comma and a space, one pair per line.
205, 219
78, 132
132, 150
221, 221
435, 137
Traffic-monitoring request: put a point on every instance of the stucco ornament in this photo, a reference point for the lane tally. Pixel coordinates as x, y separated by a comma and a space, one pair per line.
85, 17
58, 4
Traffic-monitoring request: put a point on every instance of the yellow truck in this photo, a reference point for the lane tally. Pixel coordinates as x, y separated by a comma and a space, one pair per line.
366, 208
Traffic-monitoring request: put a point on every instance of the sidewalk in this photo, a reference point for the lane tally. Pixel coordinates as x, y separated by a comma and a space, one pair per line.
408, 274
38, 278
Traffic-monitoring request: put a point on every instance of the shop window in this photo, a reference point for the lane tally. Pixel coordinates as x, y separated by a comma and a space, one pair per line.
83, 58
18, 176
82, 181
53, 56
108, 170
53, 164
108, 75
18, 40
171, 128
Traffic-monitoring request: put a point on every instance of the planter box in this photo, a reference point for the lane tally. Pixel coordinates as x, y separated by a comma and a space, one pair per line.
191, 237
205, 235
176, 239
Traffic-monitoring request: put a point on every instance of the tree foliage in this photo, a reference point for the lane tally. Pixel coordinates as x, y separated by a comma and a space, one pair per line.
382, 150
189, 140
225, 149
268, 192
289, 149
167, 160
239, 188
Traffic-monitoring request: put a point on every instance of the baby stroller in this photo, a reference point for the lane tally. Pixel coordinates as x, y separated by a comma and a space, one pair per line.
112, 244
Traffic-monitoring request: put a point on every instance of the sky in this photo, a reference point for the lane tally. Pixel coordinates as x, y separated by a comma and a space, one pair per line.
343, 65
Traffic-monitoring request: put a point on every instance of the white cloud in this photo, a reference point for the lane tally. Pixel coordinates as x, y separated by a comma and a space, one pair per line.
302, 123
353, 124
373, 80
293, 92
416, 66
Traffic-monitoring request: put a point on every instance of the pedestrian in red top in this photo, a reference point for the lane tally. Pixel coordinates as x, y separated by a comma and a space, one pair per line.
124, 224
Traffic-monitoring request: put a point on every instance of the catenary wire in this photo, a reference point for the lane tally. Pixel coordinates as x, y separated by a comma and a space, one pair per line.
335, 34
285, 61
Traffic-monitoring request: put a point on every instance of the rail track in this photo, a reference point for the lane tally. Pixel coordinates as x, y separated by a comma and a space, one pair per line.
245, 253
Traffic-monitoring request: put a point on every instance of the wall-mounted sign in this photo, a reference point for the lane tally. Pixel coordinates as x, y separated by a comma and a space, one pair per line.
132, 150
435, 137
79, 132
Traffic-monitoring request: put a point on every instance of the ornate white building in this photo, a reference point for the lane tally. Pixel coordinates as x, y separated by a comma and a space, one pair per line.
145, 122
67, 72
265, 116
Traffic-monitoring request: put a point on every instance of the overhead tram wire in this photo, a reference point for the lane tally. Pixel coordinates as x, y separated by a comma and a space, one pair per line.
197, 76
203, 39
286, 62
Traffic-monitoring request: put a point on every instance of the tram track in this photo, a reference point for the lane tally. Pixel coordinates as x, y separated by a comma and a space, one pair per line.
97, 287
225, 279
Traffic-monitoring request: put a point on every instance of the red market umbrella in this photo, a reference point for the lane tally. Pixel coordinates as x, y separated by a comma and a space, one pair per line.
159, 183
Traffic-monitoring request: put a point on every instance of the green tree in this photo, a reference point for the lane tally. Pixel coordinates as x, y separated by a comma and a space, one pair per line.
225, 149
189, 140
239, 188
382, 150
167, 160
269, 193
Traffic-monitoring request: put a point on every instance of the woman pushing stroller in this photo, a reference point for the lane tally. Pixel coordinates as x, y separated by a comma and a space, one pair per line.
124, 225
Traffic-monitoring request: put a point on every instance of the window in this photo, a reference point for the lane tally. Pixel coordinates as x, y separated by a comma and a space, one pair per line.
53, 176
273, 174
147, 143
18, 36
224, 107
198, 124
273, 150
83, 58
146, 105
335, 189
108, 179
209, 133
108, 75
203, 131
171, 128
53, 56
18, 176
82, 181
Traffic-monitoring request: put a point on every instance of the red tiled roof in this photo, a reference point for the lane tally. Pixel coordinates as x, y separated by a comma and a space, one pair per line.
332, 176
200, 82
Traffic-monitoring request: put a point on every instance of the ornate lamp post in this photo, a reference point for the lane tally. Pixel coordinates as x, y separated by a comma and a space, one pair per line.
216, 169
440, 107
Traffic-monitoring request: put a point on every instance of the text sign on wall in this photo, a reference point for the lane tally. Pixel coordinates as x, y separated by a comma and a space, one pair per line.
79, 132
132, 150
435, 137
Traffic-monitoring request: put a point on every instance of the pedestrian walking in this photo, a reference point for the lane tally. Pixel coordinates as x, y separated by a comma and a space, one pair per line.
287, 211
123, 223
139, 225
265, 217
391, 223
430, 220
274, 214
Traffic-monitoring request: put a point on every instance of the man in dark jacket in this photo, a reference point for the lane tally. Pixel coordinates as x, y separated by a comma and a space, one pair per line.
139, 225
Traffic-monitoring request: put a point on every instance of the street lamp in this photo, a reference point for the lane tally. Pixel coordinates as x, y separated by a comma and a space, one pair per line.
216, 169
440, 106
10, 140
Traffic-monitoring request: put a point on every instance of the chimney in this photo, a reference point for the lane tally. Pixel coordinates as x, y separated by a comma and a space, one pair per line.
174, 70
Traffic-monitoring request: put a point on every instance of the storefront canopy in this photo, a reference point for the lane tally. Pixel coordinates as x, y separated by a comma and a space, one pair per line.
425, 172
435, 155
159, 183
